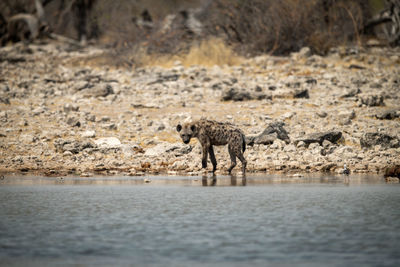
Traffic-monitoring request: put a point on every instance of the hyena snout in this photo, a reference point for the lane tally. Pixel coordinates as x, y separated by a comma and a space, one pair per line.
186, 138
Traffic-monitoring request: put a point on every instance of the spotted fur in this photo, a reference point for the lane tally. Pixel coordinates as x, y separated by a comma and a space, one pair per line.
210, 133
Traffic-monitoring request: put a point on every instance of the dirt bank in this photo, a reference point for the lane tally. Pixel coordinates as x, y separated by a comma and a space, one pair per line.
62, 115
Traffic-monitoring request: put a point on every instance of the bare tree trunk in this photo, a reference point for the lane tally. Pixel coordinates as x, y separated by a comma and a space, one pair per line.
3, 30
40, 11
81, 21
82, 8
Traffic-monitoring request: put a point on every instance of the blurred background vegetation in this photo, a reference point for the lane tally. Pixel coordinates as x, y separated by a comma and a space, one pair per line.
172, 27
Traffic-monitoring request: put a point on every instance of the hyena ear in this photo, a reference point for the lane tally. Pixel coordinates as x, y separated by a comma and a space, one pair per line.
193, 128
179, 127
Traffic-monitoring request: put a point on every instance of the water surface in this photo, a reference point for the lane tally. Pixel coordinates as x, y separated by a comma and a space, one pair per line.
271, 221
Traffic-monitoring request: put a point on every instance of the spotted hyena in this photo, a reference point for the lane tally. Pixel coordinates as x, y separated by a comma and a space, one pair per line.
211, 133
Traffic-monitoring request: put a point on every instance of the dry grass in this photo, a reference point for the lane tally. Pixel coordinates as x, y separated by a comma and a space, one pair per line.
206, 53
211, 52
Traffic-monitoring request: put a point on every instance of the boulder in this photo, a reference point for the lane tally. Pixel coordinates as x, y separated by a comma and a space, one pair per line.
177, 149
236, 94
388, 115
98, 90
347, 114
351, 93
371, 100
369, 140
328, 167
301, 93
273, 131
393, 171
331, 136
265, 139
73, 121
74, 146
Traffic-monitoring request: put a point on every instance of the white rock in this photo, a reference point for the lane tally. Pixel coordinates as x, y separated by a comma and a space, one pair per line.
38, 111
290, 148
301, 144
89, 134
287, 115
67, 153
108, 142
278, 144
305, 52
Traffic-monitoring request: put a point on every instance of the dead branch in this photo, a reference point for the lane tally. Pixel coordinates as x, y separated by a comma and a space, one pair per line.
64, 39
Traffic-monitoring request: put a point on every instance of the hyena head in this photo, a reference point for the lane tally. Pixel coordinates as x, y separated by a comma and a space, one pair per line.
186, 131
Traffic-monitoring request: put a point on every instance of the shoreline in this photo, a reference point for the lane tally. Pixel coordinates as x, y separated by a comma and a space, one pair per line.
51, 173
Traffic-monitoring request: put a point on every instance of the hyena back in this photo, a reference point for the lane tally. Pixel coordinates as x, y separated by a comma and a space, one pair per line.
211, 133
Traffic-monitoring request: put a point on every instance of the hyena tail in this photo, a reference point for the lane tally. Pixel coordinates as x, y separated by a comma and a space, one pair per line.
243, 142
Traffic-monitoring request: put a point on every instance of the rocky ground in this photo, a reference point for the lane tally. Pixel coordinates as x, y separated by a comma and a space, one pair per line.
60, 115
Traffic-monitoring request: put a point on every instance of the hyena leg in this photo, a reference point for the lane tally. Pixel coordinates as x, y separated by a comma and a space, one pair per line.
204, 158
243, 160
233, 159
212, 158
